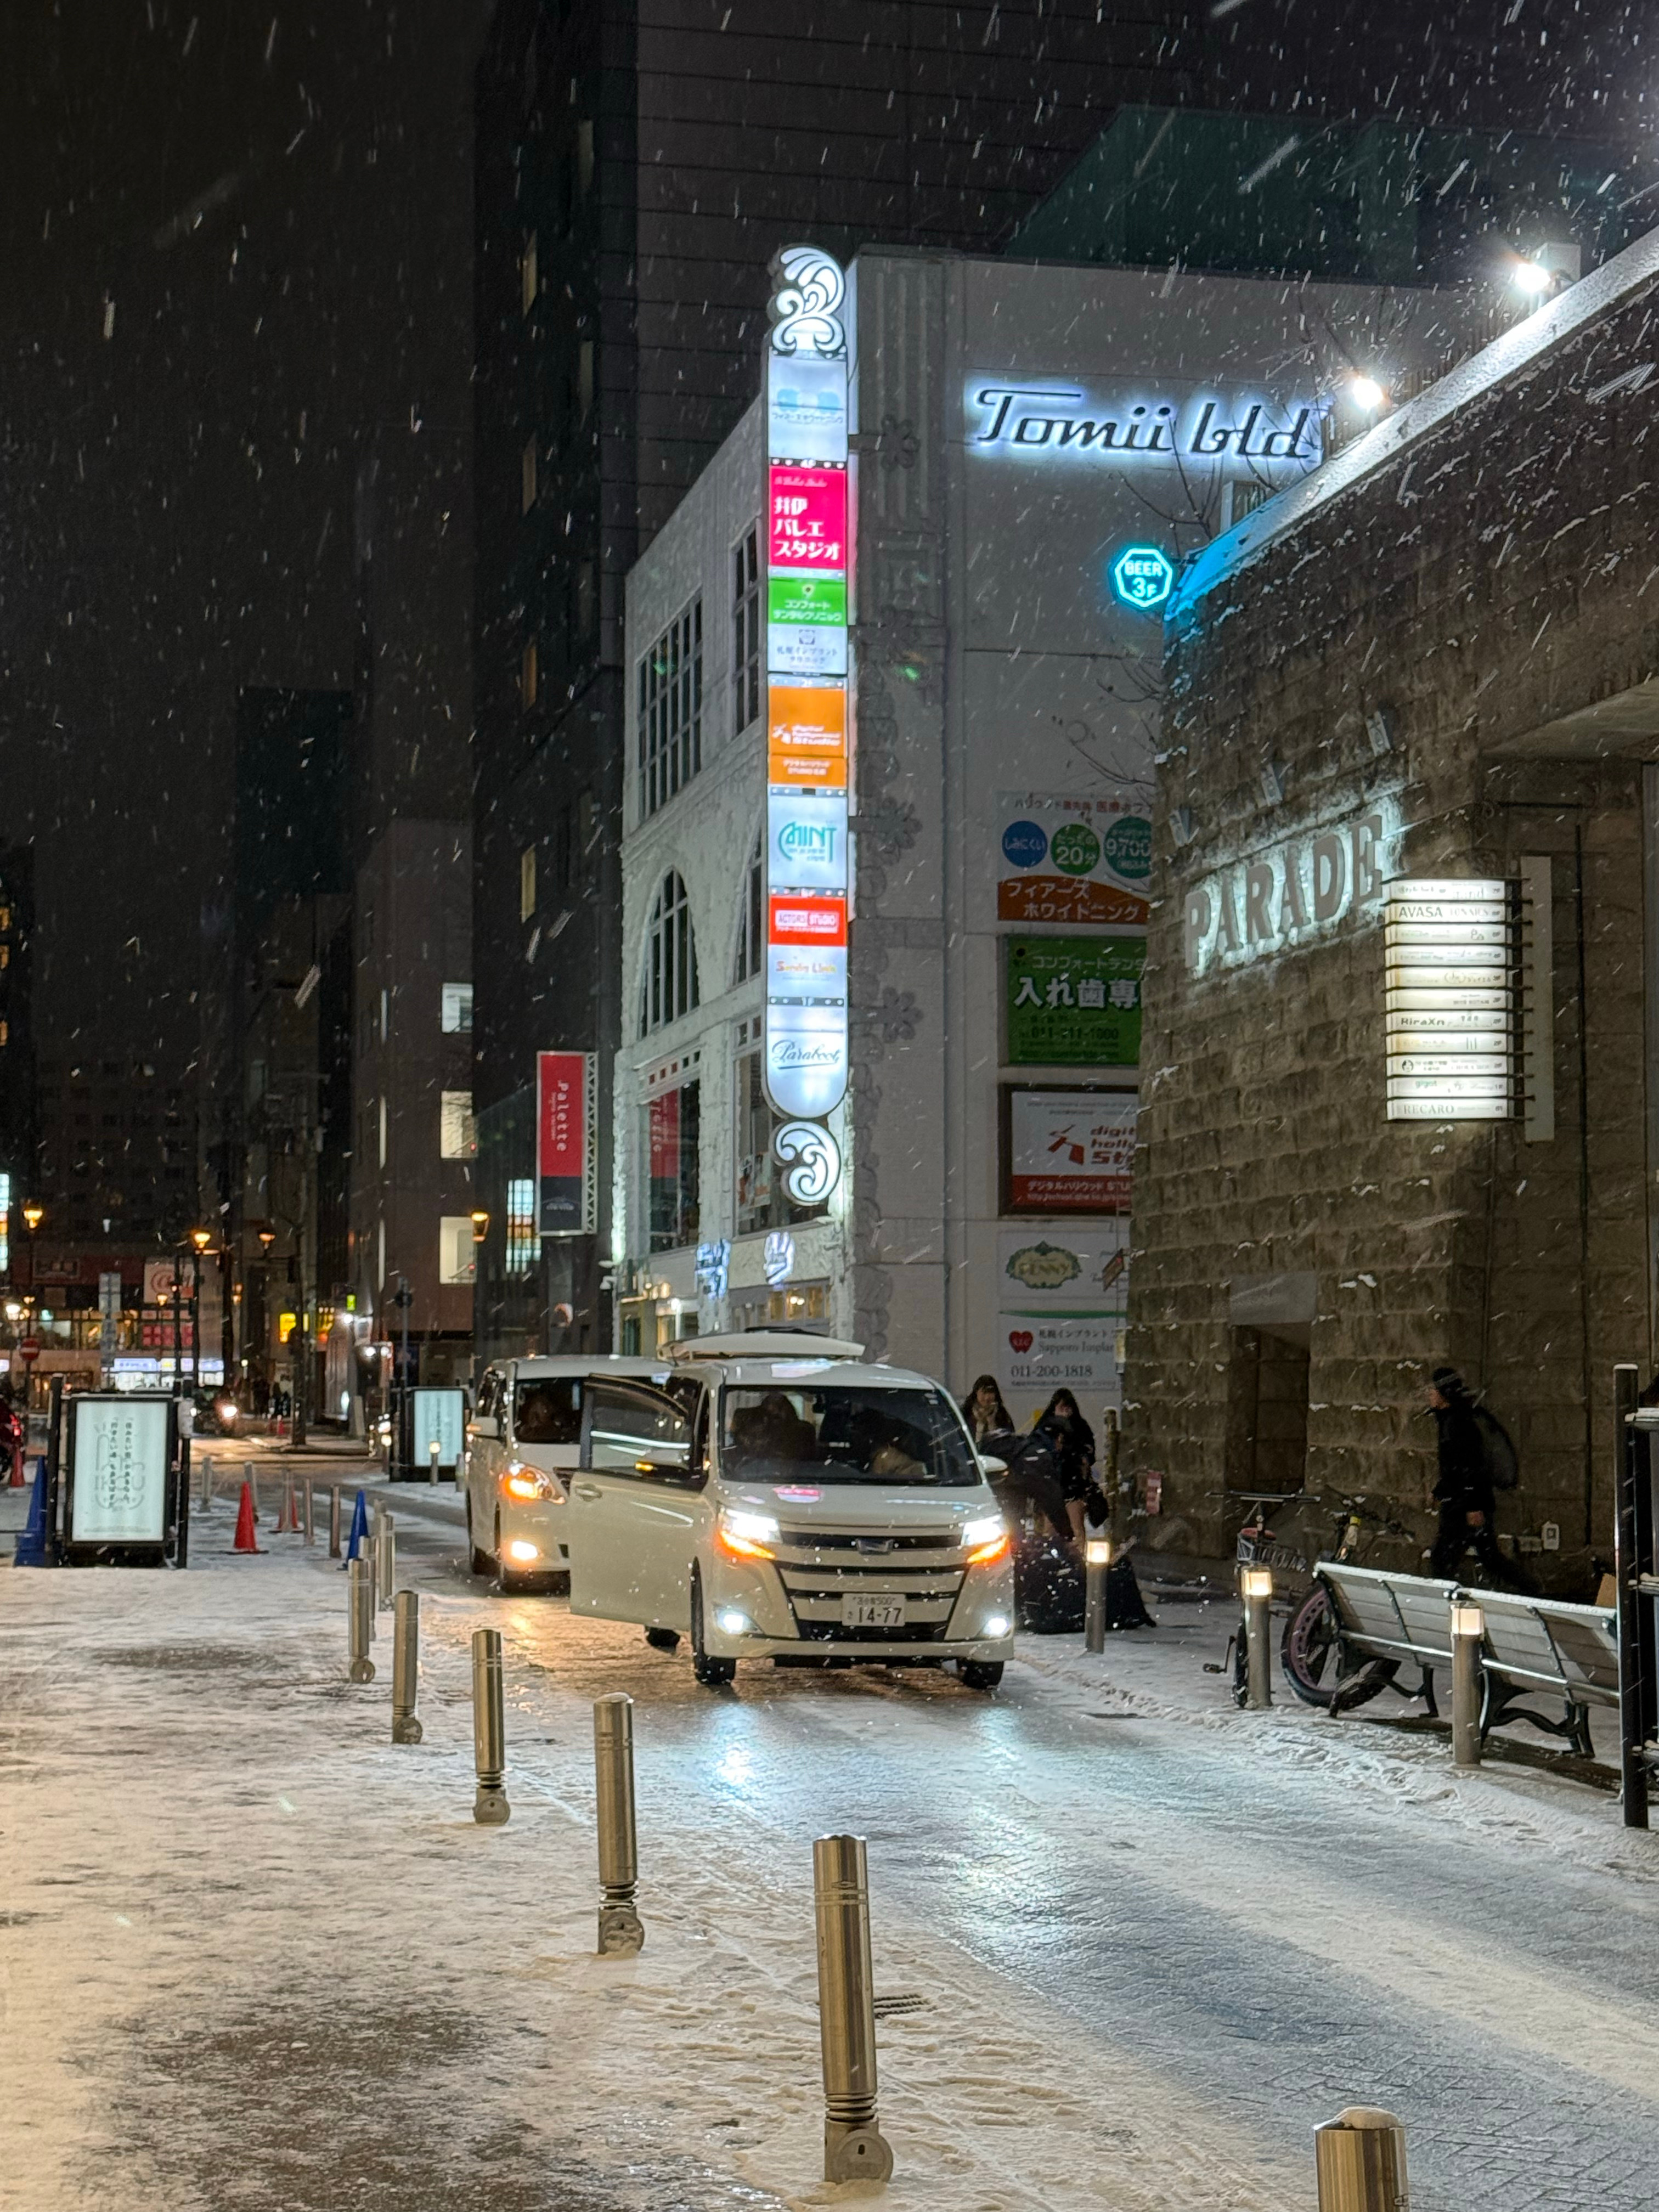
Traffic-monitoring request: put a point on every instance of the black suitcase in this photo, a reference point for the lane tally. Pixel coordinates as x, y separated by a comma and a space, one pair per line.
1049, 1597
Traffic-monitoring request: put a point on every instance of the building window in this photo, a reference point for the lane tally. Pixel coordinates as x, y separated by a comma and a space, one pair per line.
670, 710
669, 988
762, 1201
585, 381
527, 477
456, 1253
524, 1246
528, 676
526, 883
673, 1121
383, 1132
751, 922
587, 597
456, 1009
745, 630
458, 1139
584, 159
529, 280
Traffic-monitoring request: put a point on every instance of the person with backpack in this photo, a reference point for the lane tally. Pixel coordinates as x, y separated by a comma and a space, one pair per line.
1477, 1460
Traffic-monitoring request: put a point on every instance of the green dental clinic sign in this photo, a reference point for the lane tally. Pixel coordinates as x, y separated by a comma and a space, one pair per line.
1073, 1001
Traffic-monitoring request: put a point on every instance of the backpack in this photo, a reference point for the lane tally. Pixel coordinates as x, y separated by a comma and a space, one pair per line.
1497, 1451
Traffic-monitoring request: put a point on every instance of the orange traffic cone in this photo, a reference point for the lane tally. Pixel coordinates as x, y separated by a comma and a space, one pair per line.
246, 1539
17, 1481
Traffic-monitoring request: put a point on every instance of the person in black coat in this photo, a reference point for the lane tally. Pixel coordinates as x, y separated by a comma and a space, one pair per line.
1072, 1442
1464, 1489
1028, 1460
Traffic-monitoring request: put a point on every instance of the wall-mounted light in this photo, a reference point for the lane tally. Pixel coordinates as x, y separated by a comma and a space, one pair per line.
1365, 391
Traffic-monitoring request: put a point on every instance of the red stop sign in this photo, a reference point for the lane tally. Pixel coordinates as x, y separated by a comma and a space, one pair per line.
29, 1348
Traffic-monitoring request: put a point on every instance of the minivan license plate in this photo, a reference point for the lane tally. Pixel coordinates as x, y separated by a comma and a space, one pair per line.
872, 1613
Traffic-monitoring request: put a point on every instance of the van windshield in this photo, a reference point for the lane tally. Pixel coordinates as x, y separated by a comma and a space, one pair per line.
549, 1412
841, 1432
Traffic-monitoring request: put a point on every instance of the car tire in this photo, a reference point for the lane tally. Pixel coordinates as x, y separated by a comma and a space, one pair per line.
662, 1640
713, 1673
482, 1562
979, 1673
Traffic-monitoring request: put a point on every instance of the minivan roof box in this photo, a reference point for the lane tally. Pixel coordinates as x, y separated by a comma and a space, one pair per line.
780, 1343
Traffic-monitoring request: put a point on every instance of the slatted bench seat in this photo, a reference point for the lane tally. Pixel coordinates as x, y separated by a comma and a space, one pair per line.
1387, 1616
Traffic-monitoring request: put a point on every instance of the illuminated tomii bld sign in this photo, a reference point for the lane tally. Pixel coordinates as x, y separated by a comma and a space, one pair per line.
1070, 422
809, 526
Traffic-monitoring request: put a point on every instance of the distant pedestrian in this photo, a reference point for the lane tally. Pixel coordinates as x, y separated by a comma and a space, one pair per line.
984, 1412
1072, 1442
1477, 1460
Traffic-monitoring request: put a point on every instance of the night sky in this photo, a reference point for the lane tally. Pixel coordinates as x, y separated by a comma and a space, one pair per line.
236, 255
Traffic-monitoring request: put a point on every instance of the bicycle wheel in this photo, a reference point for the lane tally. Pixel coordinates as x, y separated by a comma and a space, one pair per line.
1312, 1653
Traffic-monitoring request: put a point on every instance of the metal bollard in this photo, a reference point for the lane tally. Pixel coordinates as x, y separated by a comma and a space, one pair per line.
855, 2148
1257, 1586
435, 1448
205, 1500
621, 1932
489, 1729
334, 1545
385, 1559
1361, 2159
252, 1482
406, 1668
1468, 1629
360, 1618
310, 1524
1096, 1560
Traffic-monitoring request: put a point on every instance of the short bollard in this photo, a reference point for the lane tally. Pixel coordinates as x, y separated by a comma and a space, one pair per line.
1361, 2159
489, 1729
205, 1500
1257, 1586
1468, 1629
360, 1616
334, 1521
435, 1449
405, 1667
385, 1559
252, 1482
1097, 1560
855, 2149
621, 1932
310, 1524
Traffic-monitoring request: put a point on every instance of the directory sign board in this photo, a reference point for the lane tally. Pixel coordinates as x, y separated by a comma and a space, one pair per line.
808, 878
121, 1449
1452, 968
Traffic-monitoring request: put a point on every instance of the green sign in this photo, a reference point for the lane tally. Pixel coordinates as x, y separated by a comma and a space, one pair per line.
806, 598
1075, 849
1074, 1001
1128, 848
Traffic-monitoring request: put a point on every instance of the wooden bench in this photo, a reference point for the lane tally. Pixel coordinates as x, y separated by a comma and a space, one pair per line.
1530, 1644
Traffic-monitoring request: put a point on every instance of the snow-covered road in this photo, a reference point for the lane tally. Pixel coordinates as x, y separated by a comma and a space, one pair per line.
253, 1956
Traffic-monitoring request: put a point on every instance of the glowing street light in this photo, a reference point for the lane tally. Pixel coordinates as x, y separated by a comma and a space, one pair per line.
1365, 391
1532, 278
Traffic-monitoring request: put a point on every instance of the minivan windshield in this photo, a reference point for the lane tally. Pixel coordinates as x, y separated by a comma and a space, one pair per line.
843, 1432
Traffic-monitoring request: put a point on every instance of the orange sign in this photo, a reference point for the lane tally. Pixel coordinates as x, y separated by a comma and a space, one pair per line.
806, 735
1066, 898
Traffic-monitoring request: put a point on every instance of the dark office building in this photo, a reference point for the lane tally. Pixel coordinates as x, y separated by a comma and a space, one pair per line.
638, 163
17, 1098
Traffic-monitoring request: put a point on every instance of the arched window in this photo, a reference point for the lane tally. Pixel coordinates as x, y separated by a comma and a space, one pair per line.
751, 922
669, 986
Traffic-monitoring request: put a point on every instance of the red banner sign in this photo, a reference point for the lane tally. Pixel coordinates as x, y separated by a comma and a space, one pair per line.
797, 921
807, 518
564, 1142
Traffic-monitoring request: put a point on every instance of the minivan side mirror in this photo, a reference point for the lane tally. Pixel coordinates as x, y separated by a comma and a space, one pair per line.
993, 1467
484, 1425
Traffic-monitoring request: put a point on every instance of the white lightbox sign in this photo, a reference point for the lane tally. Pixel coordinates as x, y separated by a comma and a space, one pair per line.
1452, 978
119, 1482
810, 523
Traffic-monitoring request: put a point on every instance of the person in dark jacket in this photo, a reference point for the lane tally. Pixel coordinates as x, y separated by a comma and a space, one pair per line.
1028, 1460
1464, 1489
1072, 1442
984, 1412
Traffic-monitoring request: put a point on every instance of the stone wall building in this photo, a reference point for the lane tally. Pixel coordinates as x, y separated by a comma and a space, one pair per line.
1437, 657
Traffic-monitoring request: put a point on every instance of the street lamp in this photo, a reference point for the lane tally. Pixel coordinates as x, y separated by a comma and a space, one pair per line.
200, 1239
480, 1224
34, 1215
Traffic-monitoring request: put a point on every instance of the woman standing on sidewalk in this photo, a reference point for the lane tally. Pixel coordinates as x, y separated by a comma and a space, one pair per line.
1072, 1442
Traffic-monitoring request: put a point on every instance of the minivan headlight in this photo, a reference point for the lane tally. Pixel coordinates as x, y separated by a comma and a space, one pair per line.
747, 1536
528, 1483
987, 1541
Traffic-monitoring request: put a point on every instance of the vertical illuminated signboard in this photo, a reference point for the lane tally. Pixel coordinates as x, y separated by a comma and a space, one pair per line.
808, 882
1452, 992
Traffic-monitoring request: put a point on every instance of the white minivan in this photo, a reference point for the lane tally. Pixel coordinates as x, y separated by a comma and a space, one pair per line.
522, 1445
774, 1497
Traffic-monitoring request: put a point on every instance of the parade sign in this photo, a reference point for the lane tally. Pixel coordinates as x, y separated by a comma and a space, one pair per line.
808, 878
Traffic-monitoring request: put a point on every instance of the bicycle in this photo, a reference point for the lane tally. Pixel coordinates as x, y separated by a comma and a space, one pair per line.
1310, 1641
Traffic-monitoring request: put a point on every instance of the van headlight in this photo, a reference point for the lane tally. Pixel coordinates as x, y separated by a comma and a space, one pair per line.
528, 1483
987, 1541
746, 1535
